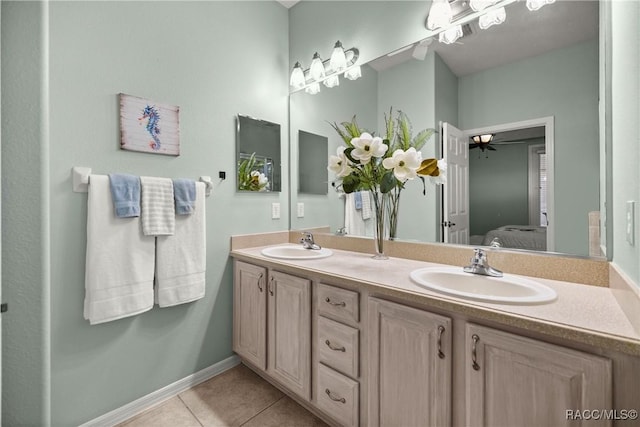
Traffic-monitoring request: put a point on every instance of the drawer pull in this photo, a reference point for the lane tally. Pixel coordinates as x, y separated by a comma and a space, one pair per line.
440, 332
260, 281
271, 286
474, 356
328, 343
335, 399
335, 304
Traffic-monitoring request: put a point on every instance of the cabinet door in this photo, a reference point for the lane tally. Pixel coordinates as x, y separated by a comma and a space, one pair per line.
409, 354
249, 313
515, 381
289, 359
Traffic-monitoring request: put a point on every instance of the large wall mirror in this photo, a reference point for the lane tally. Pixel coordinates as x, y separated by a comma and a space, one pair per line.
540, 69
257, 155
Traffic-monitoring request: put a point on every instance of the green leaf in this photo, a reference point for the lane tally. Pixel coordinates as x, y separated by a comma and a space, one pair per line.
388, 182
422, 137
350, 183
347, 152
428, 167
346, 138
390, 125
404, 130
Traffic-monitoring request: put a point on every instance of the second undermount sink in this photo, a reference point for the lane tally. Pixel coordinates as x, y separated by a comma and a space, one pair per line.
295, 252
509, 289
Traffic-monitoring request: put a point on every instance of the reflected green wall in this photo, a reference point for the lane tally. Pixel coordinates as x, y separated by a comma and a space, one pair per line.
564, 84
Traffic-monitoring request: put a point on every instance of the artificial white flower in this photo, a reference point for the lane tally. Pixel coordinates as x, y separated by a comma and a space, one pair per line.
366, 146
442, 178
261, 179
340, 164
404, 163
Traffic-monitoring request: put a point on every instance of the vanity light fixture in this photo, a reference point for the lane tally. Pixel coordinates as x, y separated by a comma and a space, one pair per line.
353, 73
338, 60
534, 5
332, 81
480, 5
297, 77
440, 14
317, 68
491, 18
327, 71
313, 88
450, 35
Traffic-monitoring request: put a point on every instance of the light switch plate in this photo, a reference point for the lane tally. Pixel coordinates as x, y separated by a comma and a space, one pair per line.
275, 210
631, 226
300, 210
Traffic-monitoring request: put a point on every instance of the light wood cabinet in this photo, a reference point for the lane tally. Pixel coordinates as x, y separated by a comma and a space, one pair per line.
521, 382
289, 316
278, 306
250, 313
409, 355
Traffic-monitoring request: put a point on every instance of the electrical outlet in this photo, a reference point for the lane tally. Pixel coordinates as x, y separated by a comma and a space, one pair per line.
275, 210
300, 210
631, 222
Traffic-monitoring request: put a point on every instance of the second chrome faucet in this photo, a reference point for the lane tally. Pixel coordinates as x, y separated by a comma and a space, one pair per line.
480, 265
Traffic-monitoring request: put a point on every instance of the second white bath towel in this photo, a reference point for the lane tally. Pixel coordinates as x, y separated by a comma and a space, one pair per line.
181, 259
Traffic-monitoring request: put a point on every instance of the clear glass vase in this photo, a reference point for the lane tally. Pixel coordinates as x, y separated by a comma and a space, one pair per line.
380, 233
393, 205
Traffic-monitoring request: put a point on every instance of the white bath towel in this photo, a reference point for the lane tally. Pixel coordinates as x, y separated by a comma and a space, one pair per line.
181, 259
158, 207
119, 260
354, 224
366, 204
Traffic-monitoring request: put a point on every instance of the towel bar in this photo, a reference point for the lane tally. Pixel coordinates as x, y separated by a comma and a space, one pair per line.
80, 179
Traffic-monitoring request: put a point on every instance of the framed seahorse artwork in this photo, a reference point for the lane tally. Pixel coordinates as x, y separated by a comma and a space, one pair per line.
149, 127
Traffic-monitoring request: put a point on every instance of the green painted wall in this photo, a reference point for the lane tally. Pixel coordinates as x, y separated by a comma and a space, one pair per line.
498, 187
562, 83
25, 199
188, 54
314, 113
625, 32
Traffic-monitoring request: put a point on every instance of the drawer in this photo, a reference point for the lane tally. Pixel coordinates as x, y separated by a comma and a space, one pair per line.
338, 346
338, 396
338, 303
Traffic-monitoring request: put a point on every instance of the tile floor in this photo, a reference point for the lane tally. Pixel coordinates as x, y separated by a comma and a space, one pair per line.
237, 397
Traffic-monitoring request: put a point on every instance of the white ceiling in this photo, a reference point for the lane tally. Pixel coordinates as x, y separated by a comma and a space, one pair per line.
288, 3
523, 34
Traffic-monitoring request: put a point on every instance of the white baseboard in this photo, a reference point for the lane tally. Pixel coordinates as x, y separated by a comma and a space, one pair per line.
152, 399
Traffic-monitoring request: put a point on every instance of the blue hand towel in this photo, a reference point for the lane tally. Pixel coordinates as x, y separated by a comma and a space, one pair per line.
357, 199
184, 192
125, 192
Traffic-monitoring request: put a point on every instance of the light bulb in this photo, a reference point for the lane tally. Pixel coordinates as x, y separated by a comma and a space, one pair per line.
440, 14
338, 60
494, 17
353, 73
480, 5
297, 77
313, 88
332, 81
451, 35
317, 69
534, 5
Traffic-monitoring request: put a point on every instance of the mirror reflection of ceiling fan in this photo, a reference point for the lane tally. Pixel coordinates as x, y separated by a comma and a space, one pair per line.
489, 141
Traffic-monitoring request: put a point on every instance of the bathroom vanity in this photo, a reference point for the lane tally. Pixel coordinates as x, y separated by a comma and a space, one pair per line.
358, 343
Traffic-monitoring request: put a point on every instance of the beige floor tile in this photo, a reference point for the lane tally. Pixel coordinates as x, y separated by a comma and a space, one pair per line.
172, 413
231, 398
285, 413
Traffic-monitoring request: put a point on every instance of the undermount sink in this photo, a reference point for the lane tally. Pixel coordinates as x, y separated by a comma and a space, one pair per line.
508, 289
296, 252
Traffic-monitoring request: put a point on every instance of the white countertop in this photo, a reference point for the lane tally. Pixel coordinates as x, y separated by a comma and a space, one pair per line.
587, 314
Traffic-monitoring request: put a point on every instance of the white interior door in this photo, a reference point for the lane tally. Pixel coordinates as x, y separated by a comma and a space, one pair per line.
455, 215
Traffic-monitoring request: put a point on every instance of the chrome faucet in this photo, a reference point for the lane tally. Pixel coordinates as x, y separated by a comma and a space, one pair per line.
342, 231
307, 241
480, 265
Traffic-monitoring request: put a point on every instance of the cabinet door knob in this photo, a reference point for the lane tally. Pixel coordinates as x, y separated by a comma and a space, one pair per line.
335, 304
260, 281
474, 356
328, 343
335, 399
440, 332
